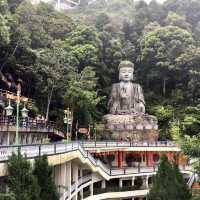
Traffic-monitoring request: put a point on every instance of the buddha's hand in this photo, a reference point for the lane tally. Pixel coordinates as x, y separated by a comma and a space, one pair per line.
133, 110
123, 112
141, 107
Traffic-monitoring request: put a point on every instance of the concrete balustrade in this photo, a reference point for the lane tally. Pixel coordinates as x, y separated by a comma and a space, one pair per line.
67, 177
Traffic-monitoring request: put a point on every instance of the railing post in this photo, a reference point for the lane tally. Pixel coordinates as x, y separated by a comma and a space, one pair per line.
18, 149
96, 162
87, 154
106, 143
124, 171
110, 172
54, 148
39, 150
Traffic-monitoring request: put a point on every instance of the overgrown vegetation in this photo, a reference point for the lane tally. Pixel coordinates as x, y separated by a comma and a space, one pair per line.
27, 183
168, 183
71, 58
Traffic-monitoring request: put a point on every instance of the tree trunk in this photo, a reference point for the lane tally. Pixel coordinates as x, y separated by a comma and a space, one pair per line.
13, 53
164, 86
48, 104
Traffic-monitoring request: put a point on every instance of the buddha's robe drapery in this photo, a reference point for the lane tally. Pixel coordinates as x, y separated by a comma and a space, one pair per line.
126, 98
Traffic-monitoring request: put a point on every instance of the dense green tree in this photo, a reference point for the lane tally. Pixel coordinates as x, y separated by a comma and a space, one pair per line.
191, 147
7, 196
197, 32
4, 31
81, 94
4, 23
159, 50
3, 7
168, 183
13, 4
141, 18
161, 39
164, 115
83, 46
21, 181
182, 190
188, 66
101, 21
51, 71
44, 174
177, 20
111, 54
34, 23
156, 11
191, 121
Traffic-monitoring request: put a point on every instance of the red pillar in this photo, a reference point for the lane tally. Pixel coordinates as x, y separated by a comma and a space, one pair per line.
149, 159
146, 158
120, 159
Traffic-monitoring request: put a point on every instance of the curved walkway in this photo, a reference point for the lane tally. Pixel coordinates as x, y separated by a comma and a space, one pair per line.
106, 146
130, 194
33, 151
76, 149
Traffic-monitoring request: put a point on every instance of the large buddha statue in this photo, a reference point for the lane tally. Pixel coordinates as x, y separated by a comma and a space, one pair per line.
127, 107
126, 97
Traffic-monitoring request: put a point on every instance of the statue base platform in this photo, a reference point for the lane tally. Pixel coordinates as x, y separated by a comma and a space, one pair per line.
134, 135
134, 127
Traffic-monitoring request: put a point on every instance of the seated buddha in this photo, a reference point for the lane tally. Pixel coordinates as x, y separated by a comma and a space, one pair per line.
126, 104
126, 97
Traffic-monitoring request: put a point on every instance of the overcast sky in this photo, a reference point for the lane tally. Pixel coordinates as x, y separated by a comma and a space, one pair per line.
161, 1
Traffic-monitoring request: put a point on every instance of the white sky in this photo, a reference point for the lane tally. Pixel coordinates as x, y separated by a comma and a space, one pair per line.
160, 1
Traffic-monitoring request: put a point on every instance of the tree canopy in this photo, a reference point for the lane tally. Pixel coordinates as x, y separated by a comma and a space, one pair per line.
48, 48
168, 183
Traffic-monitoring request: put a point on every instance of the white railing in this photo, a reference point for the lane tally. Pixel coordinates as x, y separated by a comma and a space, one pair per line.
84, 180
191, 180
103, 167
74, 189
36, 150
101, 144
32, 151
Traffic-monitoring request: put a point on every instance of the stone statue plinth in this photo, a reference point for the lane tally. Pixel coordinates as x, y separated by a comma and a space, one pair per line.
127, 118
134, 127
130, 122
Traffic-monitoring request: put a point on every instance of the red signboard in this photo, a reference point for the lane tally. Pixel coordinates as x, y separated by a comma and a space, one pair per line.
83, 130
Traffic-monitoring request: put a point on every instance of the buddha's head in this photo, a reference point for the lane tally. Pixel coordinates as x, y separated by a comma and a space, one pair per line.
126, 69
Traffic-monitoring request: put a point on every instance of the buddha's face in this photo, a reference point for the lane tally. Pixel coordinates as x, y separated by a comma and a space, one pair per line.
126, 74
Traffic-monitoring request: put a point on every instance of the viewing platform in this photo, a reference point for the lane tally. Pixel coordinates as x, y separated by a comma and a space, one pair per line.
31, 130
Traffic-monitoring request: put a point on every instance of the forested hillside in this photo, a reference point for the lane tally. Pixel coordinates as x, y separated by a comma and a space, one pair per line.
71, 58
